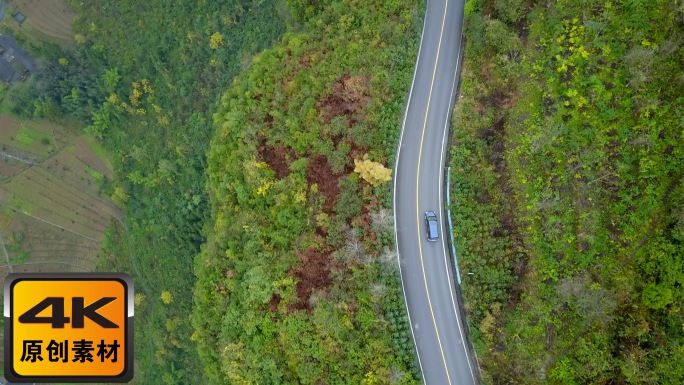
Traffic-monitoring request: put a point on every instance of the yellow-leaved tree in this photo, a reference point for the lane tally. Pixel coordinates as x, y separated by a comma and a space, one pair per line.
373, 172
216, 40
139, 298
119, 196
166, 297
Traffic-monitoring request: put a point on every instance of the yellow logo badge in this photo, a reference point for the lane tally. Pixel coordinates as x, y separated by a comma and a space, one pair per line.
70, 327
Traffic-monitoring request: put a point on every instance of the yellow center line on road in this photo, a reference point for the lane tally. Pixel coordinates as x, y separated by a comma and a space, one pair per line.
420, 154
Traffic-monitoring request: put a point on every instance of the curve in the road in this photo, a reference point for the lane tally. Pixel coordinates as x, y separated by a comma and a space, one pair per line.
420, 156
432, 313
394, 188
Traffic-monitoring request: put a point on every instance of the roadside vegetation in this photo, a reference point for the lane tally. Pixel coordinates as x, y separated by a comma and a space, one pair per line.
568, 166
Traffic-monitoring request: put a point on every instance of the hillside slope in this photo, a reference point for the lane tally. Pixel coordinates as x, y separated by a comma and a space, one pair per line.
297, 283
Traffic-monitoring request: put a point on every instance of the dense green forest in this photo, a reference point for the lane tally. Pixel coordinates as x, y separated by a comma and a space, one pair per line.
297, 282
166, 63
568, 166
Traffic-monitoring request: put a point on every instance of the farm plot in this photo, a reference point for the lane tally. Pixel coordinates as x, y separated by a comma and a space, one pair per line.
51, 217
10, 127
59, 134
71, 169
34, 139
29, 141
44, 243
91, 152
61, 204
51, 18
34, 245
18, 203
26, 143
78, 164
9, 167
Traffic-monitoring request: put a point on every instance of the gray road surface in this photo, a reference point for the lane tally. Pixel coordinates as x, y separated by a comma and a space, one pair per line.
427, 276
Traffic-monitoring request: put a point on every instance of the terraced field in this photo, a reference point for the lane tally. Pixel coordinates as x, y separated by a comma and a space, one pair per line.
50, 18
59, 203
8, 168
52, 217
10, 127
29, 140
78, 165
47, 249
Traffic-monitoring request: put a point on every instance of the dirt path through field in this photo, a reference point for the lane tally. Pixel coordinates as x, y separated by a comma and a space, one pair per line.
20, 157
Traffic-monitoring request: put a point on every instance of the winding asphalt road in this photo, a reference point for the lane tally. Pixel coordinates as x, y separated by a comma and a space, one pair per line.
427, 275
